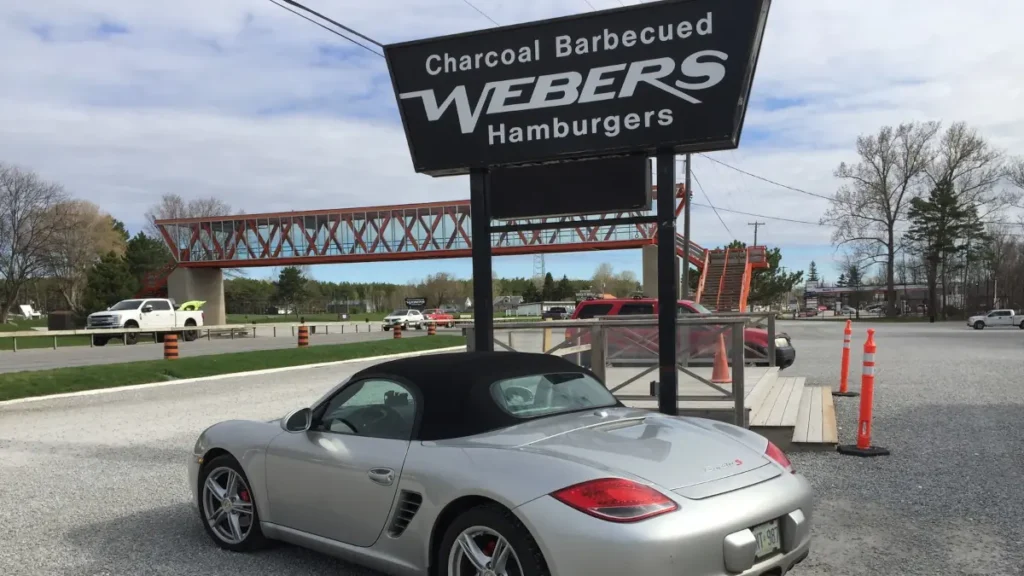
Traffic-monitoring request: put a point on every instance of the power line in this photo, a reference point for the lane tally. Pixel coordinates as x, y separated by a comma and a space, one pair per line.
763, 179
338, 24
471, 5
591, 5
335, 32
724, 225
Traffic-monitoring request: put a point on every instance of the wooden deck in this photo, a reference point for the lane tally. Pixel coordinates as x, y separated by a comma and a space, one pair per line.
782, 408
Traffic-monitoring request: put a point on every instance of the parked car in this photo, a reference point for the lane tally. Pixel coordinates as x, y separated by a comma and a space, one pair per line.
701, 346
500, 463
555, 313
405, 318
155, 314
439, 317
1004, 318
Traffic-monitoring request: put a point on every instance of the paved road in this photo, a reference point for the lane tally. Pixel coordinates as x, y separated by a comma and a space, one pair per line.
96, 485
47, 358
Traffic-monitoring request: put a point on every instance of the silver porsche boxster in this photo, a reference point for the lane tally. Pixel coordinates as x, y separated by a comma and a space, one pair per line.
501, 464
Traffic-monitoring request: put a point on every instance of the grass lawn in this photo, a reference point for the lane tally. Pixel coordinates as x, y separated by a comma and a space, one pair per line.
42, 382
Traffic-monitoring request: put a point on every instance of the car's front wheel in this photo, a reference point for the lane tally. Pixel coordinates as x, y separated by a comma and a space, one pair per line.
979, 325
226, 506
489, 539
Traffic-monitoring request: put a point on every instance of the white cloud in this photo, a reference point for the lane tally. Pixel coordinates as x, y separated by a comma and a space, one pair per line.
236, 98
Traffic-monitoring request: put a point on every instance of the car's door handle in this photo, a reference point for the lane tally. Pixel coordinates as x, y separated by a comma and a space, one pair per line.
382, 476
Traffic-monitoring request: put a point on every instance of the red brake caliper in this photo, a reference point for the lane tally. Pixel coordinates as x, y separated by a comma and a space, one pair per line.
244, 495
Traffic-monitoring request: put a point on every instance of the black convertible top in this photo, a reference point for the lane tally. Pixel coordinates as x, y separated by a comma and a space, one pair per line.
454, 388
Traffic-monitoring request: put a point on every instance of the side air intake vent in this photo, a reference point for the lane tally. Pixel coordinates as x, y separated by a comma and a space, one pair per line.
408, 506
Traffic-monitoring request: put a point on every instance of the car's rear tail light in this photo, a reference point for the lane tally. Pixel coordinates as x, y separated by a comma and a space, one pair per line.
780, 458
616, 500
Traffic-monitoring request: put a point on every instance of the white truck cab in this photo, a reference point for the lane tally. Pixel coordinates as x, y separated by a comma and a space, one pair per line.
1004, 318
143, 313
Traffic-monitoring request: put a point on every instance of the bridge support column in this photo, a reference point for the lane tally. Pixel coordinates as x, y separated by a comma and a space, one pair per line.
207, 284
650, 272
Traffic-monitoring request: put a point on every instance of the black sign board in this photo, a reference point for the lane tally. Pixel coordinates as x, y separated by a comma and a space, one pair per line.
592, 186
415, 302
671, 75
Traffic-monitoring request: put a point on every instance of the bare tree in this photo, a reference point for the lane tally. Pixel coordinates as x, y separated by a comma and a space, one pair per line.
85, 234
1015, 172
30, 222
867, 209
173, 207
440, 289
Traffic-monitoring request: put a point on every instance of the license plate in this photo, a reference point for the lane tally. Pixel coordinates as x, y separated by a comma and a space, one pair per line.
768, 540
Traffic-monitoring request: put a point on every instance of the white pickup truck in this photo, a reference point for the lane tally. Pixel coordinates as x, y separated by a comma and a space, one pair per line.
143, 313
1004, 318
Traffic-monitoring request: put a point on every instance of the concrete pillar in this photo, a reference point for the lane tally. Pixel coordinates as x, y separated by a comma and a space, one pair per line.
206, 284
650, 272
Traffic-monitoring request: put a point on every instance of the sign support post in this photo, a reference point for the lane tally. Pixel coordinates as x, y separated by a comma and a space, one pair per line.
483, 296
668, 376
685, 291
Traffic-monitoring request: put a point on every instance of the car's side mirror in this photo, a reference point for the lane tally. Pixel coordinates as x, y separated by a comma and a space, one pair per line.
297, 420
147, 309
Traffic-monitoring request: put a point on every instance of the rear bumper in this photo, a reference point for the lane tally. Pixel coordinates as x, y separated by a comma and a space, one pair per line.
703, 538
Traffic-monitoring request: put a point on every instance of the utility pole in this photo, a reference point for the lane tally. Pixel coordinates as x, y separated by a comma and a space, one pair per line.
756, 225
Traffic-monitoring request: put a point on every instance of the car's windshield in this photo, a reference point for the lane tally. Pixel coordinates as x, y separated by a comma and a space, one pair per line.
700, 308
127, 305
541, 395
399, 313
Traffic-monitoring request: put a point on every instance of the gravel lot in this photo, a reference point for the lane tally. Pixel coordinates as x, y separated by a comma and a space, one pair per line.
95, 485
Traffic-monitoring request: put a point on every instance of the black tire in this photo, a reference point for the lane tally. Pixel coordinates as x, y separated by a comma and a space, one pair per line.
254, 538
99, 340
979, 325
131, 338
419, 326
387, 329
500, 520
1022, 325
190, 335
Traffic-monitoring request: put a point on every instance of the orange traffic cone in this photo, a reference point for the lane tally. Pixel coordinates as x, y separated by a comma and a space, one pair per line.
720, 372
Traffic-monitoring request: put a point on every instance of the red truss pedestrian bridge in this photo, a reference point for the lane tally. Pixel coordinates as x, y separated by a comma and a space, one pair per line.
388, 233
384, 233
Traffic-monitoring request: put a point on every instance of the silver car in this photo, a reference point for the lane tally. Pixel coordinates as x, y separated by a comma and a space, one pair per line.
501, 464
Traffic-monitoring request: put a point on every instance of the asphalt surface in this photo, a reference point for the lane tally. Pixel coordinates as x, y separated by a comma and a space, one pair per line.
265, 339
95, 485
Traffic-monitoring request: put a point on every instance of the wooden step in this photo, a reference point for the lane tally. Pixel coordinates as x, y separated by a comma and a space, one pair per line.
816, 426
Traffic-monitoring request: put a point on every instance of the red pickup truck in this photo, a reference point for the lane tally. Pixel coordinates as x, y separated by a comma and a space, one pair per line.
703, 339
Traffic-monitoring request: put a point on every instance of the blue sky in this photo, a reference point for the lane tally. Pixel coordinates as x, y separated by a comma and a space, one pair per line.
125, 101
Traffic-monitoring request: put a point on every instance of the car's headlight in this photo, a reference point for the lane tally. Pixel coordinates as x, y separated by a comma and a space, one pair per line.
781, 343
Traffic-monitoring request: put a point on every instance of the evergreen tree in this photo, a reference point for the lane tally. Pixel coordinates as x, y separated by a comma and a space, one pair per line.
841, 282
937, 224
145, 254
547, 292
531, 293
812, 273
108, 282
564, 289
291, 287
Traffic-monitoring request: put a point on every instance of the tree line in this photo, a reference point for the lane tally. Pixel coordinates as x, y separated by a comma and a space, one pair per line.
62, 253
59, 252
933, 205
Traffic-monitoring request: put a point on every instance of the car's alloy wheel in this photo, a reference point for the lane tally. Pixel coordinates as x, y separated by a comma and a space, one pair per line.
490, 541
480, 550
226, 506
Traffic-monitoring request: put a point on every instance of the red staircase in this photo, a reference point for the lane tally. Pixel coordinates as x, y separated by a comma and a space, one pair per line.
154, 284
725, 282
